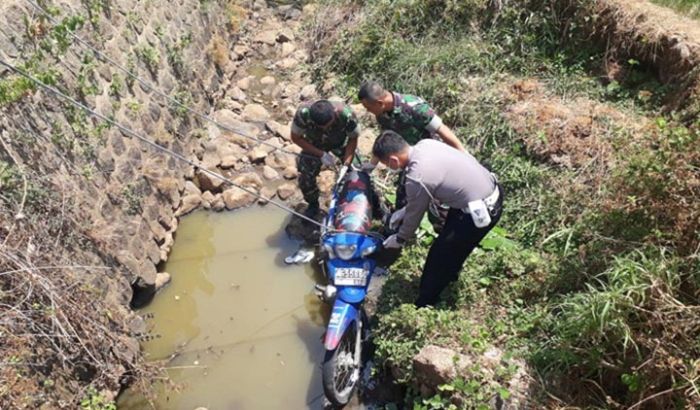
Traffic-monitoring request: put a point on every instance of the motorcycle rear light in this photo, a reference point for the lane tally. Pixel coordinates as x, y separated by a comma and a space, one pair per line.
345, 252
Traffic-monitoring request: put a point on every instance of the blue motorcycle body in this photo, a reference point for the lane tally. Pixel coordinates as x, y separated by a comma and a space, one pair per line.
350, 246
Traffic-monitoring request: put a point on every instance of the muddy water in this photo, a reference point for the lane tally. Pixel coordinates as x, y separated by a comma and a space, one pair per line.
243, 328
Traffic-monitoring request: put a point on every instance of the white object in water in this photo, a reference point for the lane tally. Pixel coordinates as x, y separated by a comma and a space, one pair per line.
300, 256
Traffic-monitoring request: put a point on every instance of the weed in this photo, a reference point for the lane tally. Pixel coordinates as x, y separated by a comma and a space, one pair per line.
94, 8
86, 77
134, 106
132, 198
95, 401
130, 67
184, 96
150, 57
116, 87
175, 54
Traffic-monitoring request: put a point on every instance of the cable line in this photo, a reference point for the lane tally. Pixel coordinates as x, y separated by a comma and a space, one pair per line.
102, 56
145, 140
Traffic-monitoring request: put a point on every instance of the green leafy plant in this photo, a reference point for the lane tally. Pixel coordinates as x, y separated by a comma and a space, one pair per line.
150, 57
95, 401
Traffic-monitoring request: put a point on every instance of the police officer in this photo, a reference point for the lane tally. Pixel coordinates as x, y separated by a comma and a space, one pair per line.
409, 116
326, 131
436, 173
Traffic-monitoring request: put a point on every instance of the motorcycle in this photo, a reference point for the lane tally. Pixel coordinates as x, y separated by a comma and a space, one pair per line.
349, 264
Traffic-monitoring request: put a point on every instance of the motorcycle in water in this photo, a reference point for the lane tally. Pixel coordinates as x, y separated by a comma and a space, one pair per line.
349, 265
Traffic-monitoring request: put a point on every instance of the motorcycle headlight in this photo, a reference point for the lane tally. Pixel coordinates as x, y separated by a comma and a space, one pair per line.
345, 252
368, 250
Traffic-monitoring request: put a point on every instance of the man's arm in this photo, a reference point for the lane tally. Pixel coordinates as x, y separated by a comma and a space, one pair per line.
297, 134
418, 199
305, 145
432, 123
449, 138
350, 151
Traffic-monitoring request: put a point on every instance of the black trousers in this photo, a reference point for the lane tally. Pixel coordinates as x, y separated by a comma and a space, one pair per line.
451, 248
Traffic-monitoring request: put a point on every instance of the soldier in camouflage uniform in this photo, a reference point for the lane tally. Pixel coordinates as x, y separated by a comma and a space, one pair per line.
407, 115
325, 131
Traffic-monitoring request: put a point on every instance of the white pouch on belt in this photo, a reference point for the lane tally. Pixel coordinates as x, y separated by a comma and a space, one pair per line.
480, 213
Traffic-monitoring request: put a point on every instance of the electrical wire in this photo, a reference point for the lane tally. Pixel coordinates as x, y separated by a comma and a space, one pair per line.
145, 140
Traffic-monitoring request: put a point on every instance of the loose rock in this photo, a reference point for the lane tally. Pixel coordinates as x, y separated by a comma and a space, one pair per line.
435, 365
237, 94
235, 198
244, 83
279, 160
279, 130
218, 203
268, 37
290, 173
266, 192
285, 36
162, 279
207, 199
208, 182
287, 49
268, 80
258, 154
189, 203
285, 191
241, 49
307, 92
269, 173
255, 113
191, 189
287, 63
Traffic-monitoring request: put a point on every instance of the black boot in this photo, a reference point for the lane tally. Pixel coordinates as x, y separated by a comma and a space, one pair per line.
312, 211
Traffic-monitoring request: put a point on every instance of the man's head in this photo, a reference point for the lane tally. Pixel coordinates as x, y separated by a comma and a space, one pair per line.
391, 149
322, 113
374, 97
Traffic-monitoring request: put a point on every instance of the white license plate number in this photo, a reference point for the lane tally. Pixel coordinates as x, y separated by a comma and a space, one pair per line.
351, 276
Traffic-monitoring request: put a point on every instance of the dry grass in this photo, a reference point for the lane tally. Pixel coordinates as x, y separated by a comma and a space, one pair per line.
652, 34
322, 31
218, 51
236, 15
64, 336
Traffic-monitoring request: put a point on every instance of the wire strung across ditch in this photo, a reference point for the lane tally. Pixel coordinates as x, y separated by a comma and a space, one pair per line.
153, 144
104, 57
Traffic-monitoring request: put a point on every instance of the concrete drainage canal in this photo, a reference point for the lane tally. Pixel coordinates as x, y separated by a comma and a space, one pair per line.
237, 328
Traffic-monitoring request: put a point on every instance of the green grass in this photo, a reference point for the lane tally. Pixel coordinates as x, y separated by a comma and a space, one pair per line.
688, 8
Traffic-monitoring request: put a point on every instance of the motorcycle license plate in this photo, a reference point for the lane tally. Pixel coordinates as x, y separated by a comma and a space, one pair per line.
351, 276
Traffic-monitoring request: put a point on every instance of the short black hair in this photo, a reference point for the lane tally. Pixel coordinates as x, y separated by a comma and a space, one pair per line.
322, 112
371, 91
388, 143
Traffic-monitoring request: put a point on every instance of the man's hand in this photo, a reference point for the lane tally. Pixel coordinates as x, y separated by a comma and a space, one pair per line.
393, 242
396, 218
328, 159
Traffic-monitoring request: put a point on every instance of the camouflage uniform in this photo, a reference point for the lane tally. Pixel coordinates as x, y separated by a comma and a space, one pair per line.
344, 128
414, 120
411, 117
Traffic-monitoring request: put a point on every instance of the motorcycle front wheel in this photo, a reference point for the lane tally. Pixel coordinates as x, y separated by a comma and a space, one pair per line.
341, 373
